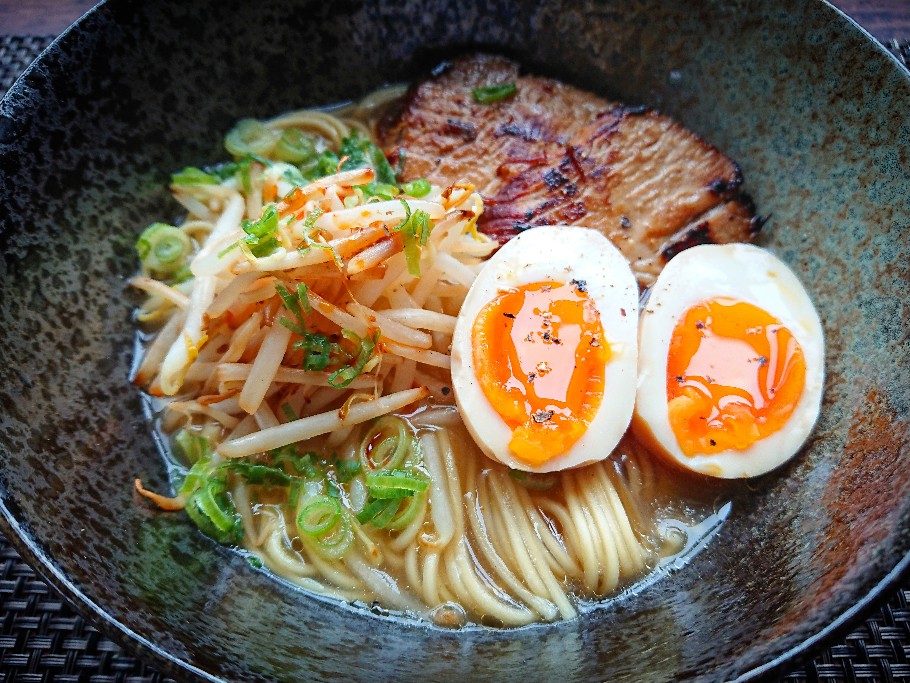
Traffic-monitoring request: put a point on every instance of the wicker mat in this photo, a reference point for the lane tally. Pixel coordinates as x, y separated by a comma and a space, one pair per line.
43, 641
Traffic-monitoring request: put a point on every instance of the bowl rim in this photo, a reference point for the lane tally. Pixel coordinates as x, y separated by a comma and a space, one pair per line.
146, 650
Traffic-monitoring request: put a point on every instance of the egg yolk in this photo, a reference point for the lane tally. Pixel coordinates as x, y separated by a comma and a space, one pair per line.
734, 376
540, 355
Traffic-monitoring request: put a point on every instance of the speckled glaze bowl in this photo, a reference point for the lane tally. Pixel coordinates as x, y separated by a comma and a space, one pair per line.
812, 108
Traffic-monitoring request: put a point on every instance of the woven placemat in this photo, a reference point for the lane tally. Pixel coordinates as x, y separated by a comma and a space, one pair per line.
16, 53
43, 641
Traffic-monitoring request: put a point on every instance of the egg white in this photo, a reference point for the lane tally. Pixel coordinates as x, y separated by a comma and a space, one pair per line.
560, 254
746, 273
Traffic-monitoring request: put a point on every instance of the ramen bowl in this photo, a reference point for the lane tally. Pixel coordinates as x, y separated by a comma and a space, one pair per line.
810, 106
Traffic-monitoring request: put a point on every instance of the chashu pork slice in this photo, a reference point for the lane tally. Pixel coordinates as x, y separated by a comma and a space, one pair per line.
553, 153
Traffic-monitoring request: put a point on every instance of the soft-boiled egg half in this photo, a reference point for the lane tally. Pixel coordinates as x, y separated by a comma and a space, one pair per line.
731, 362
544, 352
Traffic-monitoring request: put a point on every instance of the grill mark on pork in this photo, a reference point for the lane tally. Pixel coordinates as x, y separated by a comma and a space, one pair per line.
463, 128
556, 154
710, 227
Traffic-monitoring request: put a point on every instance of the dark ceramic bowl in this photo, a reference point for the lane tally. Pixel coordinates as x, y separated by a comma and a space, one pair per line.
815, 111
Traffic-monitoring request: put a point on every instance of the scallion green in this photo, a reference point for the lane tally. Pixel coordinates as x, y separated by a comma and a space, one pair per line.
417, 188
533, 481
163, 249
386, 445
317, 517
194, 176
211, 508
194, 446
261, 235
254, 473
407, 511
494, 93
415, 231
325, 527
365, 347
346, 469
294, 146
250, 136
360, 152
379, 190
395, 484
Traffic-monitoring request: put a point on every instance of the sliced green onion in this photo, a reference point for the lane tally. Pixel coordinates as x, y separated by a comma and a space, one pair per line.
297, 305
407, 217
307, 228
289, 412
291, 303
319, 351
331, 485
193, 176
338, 544
209, 503
347, 469
365, 347
389, 453
197, 476
494, 93
303, 297
194, 447
250, 136
223, 171
215, 510
422, 226
163, 249
212, 510
295, 177
310, 221
414, 239
261, 235
318, 517
386, 514
295, 146
417, 188
407, 511
305, 465
325, 164
228, 249
391, 450
396, 484
243, 168
393, 514
534, 482
374, 508
325, 527
361, 152
415, 231
258, 474
380, 190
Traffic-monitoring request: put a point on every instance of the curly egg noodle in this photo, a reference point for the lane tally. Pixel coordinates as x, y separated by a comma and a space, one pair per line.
301, 356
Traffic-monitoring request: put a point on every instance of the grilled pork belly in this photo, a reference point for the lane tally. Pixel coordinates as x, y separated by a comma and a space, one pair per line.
552, 153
